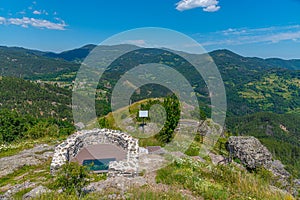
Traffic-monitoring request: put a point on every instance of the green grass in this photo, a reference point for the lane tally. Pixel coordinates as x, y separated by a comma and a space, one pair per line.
13, 150
35, 173
108, 121
19, 195
95, 177
143, 193
217, 182
146, 193
150, 141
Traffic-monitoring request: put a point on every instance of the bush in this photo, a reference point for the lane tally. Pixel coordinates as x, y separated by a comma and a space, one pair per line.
193, 150
72, 178
42, 129
15, 127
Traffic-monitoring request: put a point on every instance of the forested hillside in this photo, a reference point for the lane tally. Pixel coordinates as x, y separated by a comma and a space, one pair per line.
37, 99
31, 64
252, 84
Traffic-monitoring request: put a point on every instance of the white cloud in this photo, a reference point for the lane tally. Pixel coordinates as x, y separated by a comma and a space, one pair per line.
25, 22
207, 5
40, 12
241, 36
36, 12
2, 20
22, 12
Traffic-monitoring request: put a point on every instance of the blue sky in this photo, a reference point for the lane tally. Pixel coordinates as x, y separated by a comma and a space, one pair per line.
260, 28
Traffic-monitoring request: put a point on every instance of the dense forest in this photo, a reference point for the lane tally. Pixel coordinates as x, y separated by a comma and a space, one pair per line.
36, 99
15, 127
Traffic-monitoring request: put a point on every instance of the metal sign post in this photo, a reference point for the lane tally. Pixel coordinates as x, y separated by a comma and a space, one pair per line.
143, 114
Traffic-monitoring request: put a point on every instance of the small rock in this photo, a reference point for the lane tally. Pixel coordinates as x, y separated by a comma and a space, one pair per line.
36, 192
216, 159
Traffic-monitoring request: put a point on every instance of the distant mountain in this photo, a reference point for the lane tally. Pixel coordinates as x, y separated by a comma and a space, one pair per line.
73, 55
219, 56
33, 64
289, 64
81, 53
24, 63
252, 84
253, 63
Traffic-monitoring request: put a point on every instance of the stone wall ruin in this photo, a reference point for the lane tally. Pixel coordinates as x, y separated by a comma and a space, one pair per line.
68, 150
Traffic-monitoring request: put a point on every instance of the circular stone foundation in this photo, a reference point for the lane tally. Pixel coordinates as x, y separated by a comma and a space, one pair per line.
71, 147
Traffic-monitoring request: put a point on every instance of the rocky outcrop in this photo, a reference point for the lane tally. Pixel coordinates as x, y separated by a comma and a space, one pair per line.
249, 151
16, 188
277, 168
72, 146
253, 154
34, 156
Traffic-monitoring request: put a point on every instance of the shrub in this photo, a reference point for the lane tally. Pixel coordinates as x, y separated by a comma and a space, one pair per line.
193, 150
72, 178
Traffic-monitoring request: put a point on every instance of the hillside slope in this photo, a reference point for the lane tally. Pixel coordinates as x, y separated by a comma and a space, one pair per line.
36, 99
32, 64
251, 86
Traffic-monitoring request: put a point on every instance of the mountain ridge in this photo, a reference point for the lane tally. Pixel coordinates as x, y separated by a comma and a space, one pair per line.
78, 54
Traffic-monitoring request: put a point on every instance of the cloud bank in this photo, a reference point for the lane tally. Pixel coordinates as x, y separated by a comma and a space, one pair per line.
25, 22
207, 5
